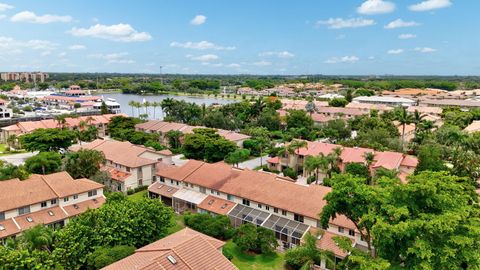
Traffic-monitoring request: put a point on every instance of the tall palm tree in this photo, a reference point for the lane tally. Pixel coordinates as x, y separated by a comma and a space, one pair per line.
131, 103
155, 104
310, 107
316, 164
167, 105
369, 158
146, 105
138, 105
417, 119
61, 120
404, 118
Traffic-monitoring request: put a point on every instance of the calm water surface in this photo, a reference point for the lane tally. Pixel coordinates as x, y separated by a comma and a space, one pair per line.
123, 99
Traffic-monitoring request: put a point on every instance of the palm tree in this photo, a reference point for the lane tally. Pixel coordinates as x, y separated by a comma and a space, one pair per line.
404, 118
312, 253
315, 164
61, 120
167, 105
293, 147
369, 158
417, 119
155, 105
310, 107
131, 103
146, 105
138, 105
12, 140
39, 237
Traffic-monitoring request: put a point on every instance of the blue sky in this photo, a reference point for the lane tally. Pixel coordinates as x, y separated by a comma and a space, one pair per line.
350, 37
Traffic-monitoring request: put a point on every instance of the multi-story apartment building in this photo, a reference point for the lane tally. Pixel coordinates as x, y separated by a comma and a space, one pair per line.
45, 199
265, 199
404, 164
5, 112
129, 165
24, 76
74, 123
161, 128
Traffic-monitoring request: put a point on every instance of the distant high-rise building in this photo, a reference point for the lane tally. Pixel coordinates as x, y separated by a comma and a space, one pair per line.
24, 76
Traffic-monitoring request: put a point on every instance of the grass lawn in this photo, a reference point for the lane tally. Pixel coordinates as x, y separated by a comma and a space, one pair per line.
255, 262
138, 195
2, 147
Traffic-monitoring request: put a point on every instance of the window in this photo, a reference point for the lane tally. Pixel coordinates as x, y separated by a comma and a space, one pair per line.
162, 179
341, 229
275, 210
191, 185
140, 182
246, 202
218, 193
128, 169
75, 196
24, 210
351, 232
212, 191
259, 206
203, 190
43, 204
65, 199
298, 218
119, 187
92, 193
2, 216
54, 201
171, 181
284, 212
177, 183
230, 197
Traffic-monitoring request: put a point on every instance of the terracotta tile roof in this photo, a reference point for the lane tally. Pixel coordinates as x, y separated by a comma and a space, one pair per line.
232, 136
317, 148
165, 152
343, 221
8, 227
273, 160
123, 153
369, 107
414, 91
354, 154
216, 205
257, 186
339, 110
160, 189
45, 216
320, 118
473, 127
387, 160
14, 127
425, 109
78, 208
326, 242
38, 188
451, 102
409, 161
190, 249
116, 174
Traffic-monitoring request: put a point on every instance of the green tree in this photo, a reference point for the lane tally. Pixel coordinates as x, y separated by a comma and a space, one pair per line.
217, 226
404, 118
10, 171
337, 102
307, 254
84, 163
298, 119
44, 140
119, 221
206, 144
104, 108
430, 159
44, 163
249, 237
237, 156
316, 164
357, 169
39, 237
103, 256
174, 137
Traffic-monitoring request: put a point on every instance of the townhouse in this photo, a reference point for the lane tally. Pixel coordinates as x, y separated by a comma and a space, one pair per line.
461, 103
385, 100
45, 199
186, 249
129, 165
264, 199
74, 123
162, 127
404, 164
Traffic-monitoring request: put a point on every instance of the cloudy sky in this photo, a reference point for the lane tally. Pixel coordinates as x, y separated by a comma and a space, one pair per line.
402, 37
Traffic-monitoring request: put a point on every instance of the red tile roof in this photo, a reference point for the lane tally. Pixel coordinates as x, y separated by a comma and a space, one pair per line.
116, 174
326, 242
45, 216
163, 190
81, 207
216, 205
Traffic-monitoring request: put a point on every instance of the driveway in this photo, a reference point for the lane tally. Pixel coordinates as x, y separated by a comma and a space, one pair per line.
253, 163
17, 159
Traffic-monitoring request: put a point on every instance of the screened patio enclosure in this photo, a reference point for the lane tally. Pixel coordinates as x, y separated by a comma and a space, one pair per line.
289, 232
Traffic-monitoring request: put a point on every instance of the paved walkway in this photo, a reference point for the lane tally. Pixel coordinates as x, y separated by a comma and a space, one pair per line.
253, 163
18, 159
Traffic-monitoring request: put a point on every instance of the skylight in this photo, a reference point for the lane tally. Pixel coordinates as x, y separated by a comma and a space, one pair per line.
29, 219
210, 202
50, 213
171, 259
2, 228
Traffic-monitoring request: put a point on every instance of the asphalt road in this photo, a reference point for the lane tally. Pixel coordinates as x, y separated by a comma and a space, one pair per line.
18, 159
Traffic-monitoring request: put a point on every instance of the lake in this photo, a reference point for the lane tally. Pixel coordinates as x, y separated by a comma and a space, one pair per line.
123, 99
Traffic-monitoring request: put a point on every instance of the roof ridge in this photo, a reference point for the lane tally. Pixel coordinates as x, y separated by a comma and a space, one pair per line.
44, 180
175, 247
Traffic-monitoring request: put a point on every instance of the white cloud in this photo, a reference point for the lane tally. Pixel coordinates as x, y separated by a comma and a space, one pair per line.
12, 46
279, 54
339, 23
2, 16
406, 36
262, 63
425, 49
430, 5
399, 23
198, 20
30, 17
234, 65
371, 7
77, 47
114, 58
395, 51
5, 7
202, 45
117, 32
343, 59
204, 58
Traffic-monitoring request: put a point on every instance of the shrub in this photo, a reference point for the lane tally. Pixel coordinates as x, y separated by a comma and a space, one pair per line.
249, 237
103, 256
227, 253
216, 226
290, 173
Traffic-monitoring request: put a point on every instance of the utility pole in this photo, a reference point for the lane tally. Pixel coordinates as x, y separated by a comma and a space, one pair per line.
161, 77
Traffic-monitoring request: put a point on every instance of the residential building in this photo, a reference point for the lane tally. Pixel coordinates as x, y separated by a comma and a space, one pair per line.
45, 199
404, 164
5, 112
369, 107
289, 104
461, 103
24, 76
186, 250
390, 101
415, 92
129, 165
264, 199
21, 128
162, 127
424, 110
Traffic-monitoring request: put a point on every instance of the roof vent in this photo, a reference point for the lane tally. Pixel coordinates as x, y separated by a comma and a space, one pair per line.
210, 202
171, 259
75, 206
2, 228
50, 213
29, 219
169, 190
95, 200
224, 206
